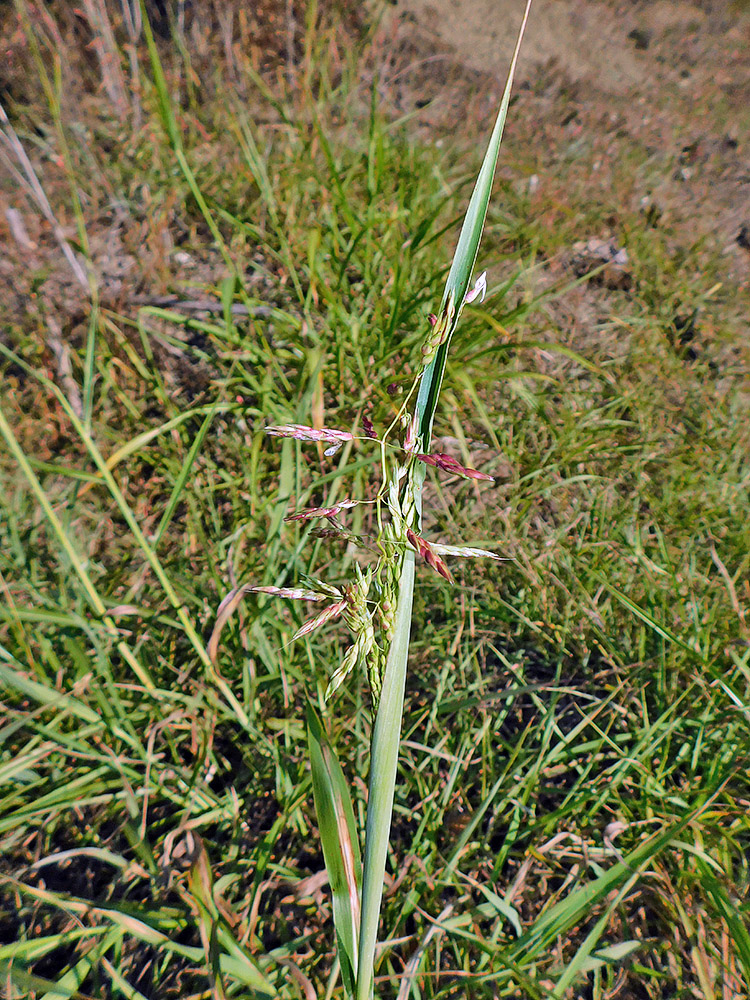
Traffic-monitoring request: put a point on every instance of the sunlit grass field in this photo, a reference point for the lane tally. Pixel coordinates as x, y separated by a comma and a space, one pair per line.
265, 243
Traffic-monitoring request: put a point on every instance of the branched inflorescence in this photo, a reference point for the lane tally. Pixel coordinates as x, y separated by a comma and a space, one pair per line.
368, 605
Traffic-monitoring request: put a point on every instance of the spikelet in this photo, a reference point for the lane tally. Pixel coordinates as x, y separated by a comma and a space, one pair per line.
300, 432
349, 662
441, 330
375, 666
428, 554
293, 593
467, 552
310, 512
449, 464
328, 614
387, 618
389, 569
359, 621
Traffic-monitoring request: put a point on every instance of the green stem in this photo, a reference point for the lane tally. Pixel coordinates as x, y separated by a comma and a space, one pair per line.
383, 762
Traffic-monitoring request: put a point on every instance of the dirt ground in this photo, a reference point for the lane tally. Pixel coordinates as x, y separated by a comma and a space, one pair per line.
627, 114
668, 79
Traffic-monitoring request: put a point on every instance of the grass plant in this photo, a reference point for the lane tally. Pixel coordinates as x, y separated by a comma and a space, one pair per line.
571, 800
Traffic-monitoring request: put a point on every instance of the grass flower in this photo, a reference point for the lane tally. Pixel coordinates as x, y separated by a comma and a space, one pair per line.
310, 512
328, 614
479, 289
449, 464
428, 553
300, 432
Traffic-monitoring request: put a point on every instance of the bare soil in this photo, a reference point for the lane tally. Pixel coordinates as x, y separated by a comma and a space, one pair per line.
624, 110
668, 79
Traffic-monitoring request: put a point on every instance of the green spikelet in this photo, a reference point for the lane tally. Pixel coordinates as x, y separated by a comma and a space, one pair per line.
440, 332
359, 620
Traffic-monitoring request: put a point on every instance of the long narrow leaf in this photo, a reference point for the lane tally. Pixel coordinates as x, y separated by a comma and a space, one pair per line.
383, 760
338, 836
467, 249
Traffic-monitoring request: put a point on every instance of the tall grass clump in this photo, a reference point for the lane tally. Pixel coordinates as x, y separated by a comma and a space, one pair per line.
381, 633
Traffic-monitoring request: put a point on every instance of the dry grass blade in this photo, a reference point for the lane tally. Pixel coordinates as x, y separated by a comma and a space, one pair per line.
30, 180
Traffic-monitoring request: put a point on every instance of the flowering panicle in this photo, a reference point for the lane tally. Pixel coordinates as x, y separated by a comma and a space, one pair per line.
351, 601
449, 464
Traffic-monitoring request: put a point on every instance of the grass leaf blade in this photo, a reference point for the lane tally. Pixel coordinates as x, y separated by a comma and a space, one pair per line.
338, 836
383, 761
467, 249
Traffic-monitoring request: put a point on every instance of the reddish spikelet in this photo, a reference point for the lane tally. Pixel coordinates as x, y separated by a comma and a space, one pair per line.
303, 433
369, 428
448, 464
328, 614
432, 319
415, 541
309, 512
292, 592
428, 554
433, 559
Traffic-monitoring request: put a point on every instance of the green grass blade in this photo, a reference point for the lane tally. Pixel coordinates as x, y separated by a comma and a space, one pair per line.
160, 82
146, 548
338, 836
169, 122
582, 958
70, 551
558, 919
730, 912
653, 623
384, 758
187, 466
467, 249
